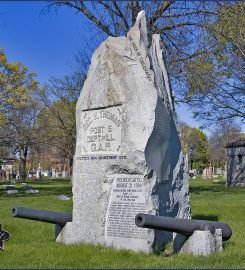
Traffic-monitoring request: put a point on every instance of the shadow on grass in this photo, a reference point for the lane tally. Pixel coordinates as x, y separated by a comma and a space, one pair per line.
211, 187
229, 244
216, 188
198, 190
206, 217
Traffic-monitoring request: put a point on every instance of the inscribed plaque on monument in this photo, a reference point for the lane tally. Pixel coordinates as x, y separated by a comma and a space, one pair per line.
101, 131
127, 199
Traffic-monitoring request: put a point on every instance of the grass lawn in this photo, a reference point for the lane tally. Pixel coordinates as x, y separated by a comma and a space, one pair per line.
32, 243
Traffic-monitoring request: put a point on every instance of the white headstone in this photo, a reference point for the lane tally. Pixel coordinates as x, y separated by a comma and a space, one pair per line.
53, 173
64, 174
128, 156
39, 171
205, 173
219, 171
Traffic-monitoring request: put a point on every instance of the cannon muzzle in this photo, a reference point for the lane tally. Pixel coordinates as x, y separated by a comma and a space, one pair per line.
57, 218
182, 226
41, 215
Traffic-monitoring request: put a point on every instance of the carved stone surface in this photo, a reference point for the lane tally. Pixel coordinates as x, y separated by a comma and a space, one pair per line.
236, 163
101, 131
126, 200
128, 157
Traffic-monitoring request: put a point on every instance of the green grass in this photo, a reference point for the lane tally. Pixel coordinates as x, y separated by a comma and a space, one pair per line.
32, 243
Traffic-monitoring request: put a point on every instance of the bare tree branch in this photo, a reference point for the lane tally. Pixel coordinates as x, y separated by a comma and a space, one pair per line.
197, 12
158, 13
82, 8
121, 14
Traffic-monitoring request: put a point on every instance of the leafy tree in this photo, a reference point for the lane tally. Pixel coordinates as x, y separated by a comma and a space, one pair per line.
230, 27
56, 125
195, 145
216, 81
15, 84
18, 109
226, 132
4, 153
22, 124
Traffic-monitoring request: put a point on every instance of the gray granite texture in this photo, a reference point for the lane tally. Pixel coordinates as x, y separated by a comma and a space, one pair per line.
128, 156
200, 243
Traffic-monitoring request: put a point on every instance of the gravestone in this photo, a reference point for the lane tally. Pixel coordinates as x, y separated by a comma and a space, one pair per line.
210, 171
235, 175
63, 198
53, 175
11, 189
219, 171
7, 175
205, 173
128, 155
64, 174
39, 172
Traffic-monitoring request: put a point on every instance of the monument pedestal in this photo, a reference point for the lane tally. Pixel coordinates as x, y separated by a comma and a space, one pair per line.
199, 243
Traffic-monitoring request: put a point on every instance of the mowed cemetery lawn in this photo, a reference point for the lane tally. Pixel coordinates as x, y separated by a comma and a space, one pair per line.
32, 243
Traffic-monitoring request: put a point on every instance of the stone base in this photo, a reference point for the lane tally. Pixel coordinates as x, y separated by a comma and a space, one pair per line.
199, 243
77, 233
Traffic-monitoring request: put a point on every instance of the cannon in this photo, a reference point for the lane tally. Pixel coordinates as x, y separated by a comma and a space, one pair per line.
182, 226
57, 218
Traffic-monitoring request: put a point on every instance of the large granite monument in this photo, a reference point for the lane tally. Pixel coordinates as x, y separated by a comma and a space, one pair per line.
128, 155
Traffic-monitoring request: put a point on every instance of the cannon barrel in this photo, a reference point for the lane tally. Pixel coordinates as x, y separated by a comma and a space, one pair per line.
182, 226
41, 215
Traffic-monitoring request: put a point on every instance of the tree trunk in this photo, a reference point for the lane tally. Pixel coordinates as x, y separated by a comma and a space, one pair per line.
70, 161
192, 161
23, 157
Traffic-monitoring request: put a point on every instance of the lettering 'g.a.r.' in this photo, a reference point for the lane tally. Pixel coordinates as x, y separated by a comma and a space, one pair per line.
101, 131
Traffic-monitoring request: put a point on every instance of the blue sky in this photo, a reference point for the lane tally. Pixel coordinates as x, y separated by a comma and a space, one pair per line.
47, 43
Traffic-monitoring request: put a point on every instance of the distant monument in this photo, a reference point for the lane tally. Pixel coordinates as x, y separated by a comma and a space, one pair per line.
128, 155
236, 163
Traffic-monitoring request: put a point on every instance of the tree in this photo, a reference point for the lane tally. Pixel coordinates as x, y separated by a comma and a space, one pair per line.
223, 134
56, 125
195, 144
216, 81
18, 109
23, 123
14, 84
196, 37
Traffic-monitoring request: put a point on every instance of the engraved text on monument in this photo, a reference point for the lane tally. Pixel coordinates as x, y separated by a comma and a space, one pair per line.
101, 131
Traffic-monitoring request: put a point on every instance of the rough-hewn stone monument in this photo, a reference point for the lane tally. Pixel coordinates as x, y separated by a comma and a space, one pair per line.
236, 163
128, 156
